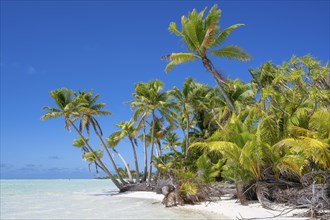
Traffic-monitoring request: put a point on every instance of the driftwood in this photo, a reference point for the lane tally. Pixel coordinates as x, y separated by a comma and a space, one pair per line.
139, 187
311, 191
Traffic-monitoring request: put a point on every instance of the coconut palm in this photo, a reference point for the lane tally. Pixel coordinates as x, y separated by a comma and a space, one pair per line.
149, 100
171, 141
128, 130
308, 147
112, 142
87, 119
244, 147
184, 101
145, 153
203, 37
89, 157
69, 108
79, 143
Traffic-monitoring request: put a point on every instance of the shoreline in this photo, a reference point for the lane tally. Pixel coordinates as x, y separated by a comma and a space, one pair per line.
224, 208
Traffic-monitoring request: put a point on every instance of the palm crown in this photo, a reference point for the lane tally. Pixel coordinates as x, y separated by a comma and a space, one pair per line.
203, 36
90, 109
66, 106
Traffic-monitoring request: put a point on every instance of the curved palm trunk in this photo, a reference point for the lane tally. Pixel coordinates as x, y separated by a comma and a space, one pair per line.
125, 164
135, 160
145, 154
111, 159
217, 77
114, 180
152, 145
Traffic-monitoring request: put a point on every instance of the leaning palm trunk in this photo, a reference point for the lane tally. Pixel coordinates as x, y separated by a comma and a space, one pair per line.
136, 161
217, 77
152, 146
111, 159
125, 164
114, 180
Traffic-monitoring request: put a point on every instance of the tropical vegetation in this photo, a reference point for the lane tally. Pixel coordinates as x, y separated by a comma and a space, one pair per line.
273, 129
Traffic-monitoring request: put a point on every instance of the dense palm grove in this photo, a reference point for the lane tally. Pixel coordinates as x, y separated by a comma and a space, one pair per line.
264, 136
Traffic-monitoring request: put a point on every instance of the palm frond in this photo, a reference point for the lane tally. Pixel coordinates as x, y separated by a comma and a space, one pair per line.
320, 122
213, 16
173, 29
231, 52
293, 163
179, 58
229, 149
224, 34
208, 40
50, 115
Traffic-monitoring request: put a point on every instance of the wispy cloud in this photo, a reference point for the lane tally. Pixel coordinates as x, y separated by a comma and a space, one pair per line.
54, 158
31, 70
6, 166
57, 169
31, 165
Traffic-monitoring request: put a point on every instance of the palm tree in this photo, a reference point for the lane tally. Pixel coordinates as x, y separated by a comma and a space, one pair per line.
308, 147
145, 153
87, 118
202, 37
184, 102
79, 143
171, 141
243, 148
112, 142
69, 108
89, 157
128, 130
149, 99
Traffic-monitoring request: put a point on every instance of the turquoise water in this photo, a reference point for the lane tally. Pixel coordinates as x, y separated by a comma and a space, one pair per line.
78, 199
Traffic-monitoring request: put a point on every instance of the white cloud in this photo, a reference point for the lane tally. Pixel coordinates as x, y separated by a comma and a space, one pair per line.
31, 70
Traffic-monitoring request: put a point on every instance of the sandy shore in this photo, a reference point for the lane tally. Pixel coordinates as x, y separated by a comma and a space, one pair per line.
224, 209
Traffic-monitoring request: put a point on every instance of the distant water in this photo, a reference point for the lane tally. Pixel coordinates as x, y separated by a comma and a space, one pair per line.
78, 199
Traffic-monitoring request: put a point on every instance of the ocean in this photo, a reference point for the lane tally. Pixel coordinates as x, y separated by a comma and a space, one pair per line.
79, 199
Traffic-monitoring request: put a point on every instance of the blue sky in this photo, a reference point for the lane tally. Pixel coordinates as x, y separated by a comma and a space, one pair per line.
109, 46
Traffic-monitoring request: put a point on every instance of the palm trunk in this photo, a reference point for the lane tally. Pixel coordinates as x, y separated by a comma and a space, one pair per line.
145, 154
136, 161
152, 145
160, 153
187, 134
240, 195
125, 164
111, 159
114, 180
217, 77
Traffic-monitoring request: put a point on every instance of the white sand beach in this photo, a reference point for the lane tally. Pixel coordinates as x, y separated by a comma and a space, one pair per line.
225, 208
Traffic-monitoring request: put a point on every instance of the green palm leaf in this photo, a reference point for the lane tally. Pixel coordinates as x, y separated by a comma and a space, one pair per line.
179, 58
173, 29
213, 16
231, 52
224, 34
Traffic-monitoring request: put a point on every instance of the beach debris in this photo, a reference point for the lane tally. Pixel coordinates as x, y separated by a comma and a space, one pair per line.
171, 197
